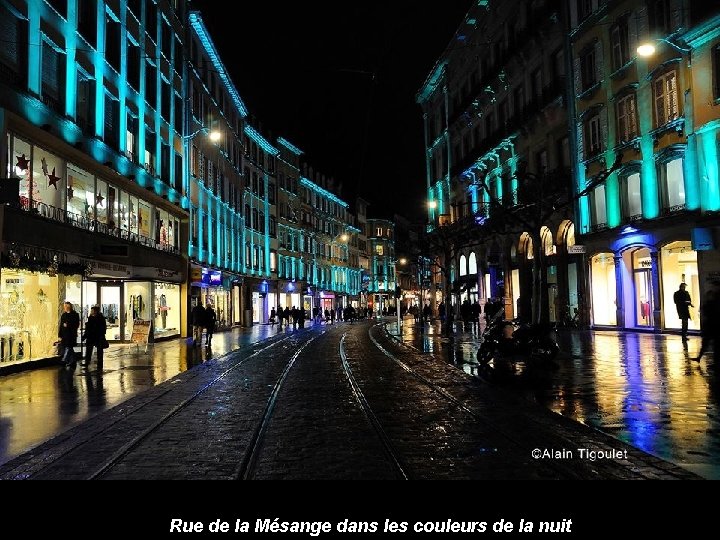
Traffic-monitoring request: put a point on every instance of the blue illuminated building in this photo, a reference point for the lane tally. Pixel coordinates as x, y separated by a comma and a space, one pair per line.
91, 113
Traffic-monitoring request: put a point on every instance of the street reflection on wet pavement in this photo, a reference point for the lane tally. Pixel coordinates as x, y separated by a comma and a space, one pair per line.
38, 404
640, 388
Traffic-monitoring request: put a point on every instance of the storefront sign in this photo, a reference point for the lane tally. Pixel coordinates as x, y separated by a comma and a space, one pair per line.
702, 239
109, 270
141, 332
577, 250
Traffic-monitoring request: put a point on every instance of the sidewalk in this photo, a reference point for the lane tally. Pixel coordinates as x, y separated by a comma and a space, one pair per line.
640, 388
38, 404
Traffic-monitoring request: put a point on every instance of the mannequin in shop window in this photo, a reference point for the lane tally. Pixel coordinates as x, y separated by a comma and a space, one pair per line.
645, 310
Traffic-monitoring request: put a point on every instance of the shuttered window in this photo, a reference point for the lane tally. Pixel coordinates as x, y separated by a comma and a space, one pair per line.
627, 118
52, 77
111, 121
666, 99
12, 51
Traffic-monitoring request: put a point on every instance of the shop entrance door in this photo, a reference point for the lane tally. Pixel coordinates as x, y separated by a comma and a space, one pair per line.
643, 298
111, 308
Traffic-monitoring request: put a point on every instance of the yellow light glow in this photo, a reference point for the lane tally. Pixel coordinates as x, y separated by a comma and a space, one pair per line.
432, 205
646, 49
215, 136
344, 238
403, 260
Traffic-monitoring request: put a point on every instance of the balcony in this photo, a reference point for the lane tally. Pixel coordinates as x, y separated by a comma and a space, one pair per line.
59, 215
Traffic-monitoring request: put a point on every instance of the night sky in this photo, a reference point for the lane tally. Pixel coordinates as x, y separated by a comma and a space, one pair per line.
339, 81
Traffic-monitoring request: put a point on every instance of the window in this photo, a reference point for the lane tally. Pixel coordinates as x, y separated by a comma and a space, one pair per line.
519, 100
716, 71
660, 16
627, 118
131, 138
666, 100
14, 46
53, 76
584, 8
632, 197
619, 44
588, 68
592, 136
599, 212
150, 84
112, 111
378, 231
558, 64
112, 41
133, 65
273, 226
379, 250
255, 219
672, 181
85, 111
463, 265
87, 20
542, 162
271, 193
537, 83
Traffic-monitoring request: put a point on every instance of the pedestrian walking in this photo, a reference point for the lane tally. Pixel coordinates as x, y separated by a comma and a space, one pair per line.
301, 317
68, 333
197, 315
427, 313
273, 314
683, 303
295, 316
210, 322
475, 312
465, 312
709, 322
441, 311
95, 329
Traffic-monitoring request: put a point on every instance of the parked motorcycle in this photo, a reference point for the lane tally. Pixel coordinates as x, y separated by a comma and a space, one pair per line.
515, 340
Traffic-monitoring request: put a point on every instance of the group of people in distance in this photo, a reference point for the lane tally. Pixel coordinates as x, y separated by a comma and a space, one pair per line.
203, 318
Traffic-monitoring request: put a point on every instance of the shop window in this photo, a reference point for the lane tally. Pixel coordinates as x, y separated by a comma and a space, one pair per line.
643, 296
604, 292
679, 264
167, 309
80, 195
48, 184
22, 169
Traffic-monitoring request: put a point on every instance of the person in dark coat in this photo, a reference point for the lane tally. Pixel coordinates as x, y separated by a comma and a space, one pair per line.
683, 303
273, 314
301, 317
210, 322
68, 333
426, 313
95, 329
198, 321
295, 314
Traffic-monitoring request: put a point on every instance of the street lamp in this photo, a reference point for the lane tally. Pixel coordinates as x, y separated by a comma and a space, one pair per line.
432, 205
648, 48
213, 134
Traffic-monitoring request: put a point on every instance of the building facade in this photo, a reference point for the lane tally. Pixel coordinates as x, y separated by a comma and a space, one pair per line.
381, 248
495, 118
92, 128
215, 145
645, 88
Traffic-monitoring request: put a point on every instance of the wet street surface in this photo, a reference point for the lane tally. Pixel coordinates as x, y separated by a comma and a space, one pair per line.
342, 401
41, 403
641, 388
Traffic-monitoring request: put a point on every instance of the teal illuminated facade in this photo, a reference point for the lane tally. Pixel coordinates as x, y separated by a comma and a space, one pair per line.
91, 114
381, 254
653, 224
495, 110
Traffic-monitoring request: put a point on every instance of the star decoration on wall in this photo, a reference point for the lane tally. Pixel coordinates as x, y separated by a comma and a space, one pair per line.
99, 199
23, 163
52, 179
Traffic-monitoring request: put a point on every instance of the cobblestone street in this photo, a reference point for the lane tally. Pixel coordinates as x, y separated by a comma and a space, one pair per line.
342, 401
640, 388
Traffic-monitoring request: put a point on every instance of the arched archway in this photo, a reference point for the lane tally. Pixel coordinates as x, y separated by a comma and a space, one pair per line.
547, 241
566, 234
463, 265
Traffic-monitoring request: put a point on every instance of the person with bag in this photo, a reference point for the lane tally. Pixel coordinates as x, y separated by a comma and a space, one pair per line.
210, 322
68, 333
94, 337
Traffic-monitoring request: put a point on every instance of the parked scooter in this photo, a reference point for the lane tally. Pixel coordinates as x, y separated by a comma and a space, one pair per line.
516, 340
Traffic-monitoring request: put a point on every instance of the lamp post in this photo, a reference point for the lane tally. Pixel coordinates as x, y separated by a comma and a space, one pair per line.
647, 48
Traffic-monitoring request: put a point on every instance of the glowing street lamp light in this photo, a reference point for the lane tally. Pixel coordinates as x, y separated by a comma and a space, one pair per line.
646, 49
432, 205
215, 135
403, 260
